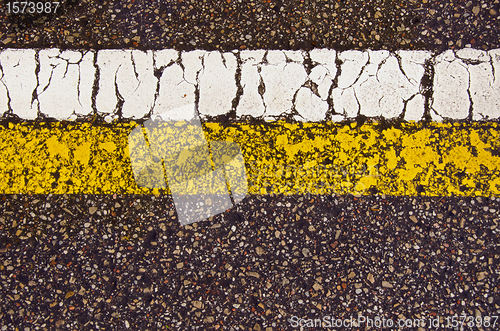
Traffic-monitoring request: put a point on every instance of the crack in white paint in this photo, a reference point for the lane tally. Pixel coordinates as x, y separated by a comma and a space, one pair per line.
312, 98
19, 79
343, 96
451, 86
412, 65
127, 76
251, 101
217, 85
483, 89
4, 94
176, 96
282, 80
65, 83
387, 84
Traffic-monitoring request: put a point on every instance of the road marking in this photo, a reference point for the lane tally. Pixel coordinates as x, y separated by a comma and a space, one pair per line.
435, 159
307, 86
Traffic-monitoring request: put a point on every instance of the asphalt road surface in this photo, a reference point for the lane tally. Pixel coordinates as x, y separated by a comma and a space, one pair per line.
273, 262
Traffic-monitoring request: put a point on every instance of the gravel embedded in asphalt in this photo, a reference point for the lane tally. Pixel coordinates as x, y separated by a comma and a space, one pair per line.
113, 262
105, 262
226, 25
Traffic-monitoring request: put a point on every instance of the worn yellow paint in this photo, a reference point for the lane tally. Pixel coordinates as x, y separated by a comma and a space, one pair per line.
437, 159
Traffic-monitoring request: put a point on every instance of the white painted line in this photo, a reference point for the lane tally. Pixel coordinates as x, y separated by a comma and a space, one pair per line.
307, 85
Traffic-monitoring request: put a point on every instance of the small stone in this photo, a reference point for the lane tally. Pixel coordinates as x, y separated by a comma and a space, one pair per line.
317, 287
378, 14
92, 210
476, 10
253, 274
387, 284
481, 275
198, 304
370, 278
413, 219
493, 12
306, 252
69, 294
180, 265
7, 40
260, 250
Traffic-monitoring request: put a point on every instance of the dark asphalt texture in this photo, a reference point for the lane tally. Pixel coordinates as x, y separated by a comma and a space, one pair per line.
113, 262
100, 262
229, 24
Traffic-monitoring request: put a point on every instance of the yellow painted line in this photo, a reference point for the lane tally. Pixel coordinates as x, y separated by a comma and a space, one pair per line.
435, 159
